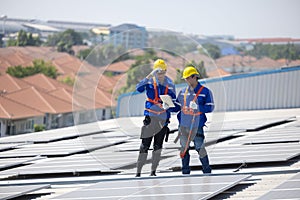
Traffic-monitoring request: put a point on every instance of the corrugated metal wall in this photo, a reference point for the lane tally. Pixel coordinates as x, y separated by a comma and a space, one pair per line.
274, 89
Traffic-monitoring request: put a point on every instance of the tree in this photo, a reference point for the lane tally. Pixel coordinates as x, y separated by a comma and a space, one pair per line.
200, 68
213, 50
138, 70
25, 39
105, 55
287, 51
39, 66
65, 40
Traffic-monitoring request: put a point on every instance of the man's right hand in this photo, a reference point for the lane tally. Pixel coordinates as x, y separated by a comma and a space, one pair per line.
153, 73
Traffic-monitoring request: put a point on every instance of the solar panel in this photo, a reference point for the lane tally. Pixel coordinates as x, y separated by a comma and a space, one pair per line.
290, 189
220, 155
11, 162
247, 125
193, 187
4, 147
276, 135
9, 192
64, 147
55, 134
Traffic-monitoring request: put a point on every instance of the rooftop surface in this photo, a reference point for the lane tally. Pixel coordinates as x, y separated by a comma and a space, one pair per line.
254, 155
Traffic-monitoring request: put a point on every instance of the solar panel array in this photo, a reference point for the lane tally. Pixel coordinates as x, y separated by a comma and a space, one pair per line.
201, 187
89, 149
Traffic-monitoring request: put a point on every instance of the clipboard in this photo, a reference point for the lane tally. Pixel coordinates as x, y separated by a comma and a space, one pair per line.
167, 99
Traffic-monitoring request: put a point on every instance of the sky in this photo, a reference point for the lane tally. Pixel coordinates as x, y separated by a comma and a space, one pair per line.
238, 18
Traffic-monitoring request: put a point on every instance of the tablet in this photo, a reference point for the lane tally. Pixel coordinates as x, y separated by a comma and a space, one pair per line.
167, 99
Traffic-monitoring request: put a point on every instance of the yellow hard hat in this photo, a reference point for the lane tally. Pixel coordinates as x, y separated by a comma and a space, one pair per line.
189, 71
159, 63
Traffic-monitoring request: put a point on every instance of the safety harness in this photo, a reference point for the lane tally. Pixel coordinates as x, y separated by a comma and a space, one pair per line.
156, 100
189, 111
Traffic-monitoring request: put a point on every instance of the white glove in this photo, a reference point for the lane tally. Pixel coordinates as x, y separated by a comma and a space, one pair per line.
153, 72
165, 106
193, 105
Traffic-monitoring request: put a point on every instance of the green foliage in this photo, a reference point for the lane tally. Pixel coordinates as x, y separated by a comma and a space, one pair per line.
65, 40
24, 39
106, 54
287, 51
39, 66
139, 70
39, 127
200, 68
11, 42
213, 50
83, 54
68, 80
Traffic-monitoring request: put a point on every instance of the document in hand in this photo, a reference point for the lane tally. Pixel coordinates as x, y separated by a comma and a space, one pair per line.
167, 99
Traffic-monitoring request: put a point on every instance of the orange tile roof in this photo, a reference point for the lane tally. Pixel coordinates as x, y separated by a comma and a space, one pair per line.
10, 109
120, 67
24, 56
218, 72
46, 83
97, 95
41, 101
265, 63
78, 101
11, 84
235, 60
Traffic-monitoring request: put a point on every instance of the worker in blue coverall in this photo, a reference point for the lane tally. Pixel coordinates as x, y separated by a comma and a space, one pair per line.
193, 102
156, 114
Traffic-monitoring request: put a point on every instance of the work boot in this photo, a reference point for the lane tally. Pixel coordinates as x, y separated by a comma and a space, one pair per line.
155, 159
205, 165
185, 169
153, 173
140, 162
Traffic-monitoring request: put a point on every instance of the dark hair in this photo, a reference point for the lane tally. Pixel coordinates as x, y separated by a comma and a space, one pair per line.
196, 76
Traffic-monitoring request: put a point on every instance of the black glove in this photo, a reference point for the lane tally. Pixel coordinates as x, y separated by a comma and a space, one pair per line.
147, 120
167, 132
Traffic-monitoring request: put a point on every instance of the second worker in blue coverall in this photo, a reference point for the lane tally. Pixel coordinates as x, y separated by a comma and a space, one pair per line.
193, 102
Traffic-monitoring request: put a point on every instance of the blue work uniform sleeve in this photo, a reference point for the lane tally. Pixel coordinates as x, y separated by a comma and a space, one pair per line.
206, 103
141, 86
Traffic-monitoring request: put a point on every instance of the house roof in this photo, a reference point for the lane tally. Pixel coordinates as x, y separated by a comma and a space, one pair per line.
11, 84
78, 101
44, 82
121, 67
235, 60
265, 62
218, 72
24, 56
10, 109
39, 100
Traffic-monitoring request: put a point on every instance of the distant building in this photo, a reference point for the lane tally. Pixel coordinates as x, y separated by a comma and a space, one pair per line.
129, 36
